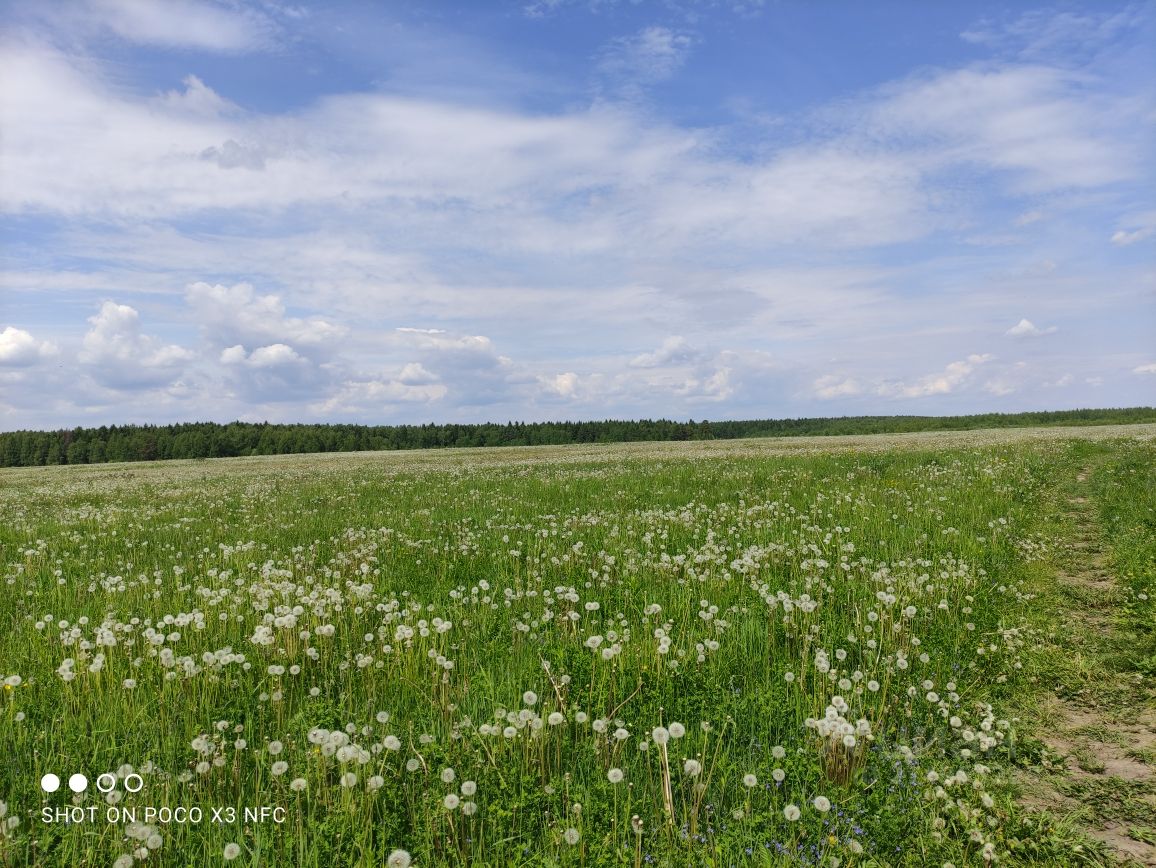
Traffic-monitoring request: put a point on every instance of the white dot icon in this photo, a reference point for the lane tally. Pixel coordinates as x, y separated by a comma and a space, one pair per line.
50, 783
78, 783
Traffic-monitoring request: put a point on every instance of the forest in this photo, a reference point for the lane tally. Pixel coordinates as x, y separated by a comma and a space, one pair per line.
214, 440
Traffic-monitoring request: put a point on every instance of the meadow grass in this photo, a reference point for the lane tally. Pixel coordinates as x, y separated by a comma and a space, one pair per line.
707, 653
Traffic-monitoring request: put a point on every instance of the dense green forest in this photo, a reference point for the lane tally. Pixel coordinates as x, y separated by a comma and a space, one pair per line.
212, 440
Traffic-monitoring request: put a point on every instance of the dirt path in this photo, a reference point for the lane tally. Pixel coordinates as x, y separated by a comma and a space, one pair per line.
1100, 721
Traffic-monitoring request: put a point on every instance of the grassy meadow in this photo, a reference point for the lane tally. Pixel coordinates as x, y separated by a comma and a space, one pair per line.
748, 652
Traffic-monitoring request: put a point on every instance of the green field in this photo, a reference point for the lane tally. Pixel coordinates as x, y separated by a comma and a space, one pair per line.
821, 651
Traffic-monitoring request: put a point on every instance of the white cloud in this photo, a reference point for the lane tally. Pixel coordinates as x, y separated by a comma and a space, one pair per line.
1042, 126
952, 377
648, 57
19, 349
1149, 368
236, 314
181, 24
1027, 329
1135, 227
271, 356
674, 351
835, 386
118, 355
998, 387
198, 100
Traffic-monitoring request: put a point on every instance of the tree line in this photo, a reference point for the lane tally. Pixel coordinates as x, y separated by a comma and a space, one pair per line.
213, 440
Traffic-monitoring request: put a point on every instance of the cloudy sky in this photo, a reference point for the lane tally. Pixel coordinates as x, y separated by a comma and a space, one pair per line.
560, 209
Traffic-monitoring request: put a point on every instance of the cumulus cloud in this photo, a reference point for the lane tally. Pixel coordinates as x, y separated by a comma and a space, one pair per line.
951, 378
835, 386
118, 355
19, 349
1027, 329
231, 315
674, 351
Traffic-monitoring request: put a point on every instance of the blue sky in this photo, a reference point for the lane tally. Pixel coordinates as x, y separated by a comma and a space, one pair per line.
562, 209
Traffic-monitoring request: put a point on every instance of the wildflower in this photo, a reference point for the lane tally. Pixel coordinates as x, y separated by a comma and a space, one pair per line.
398, 859
469, 788
451, 801
275, 747
232, 851
298, 785
348, 780
615, 776
571, 835
448, 775
750, 781
778, 751
692, 768
530, 698
280, 767
555, 718
392, 742
677, 730
778, 775
822, 804
660, 734
469, 808
792, 813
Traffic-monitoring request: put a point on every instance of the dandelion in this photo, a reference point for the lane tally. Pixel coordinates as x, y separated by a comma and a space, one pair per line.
451, 801
125, 860
469, 808
677, 730
274, 748
572, 835
792, 813
349, 779
750, 781
615, 776
778, 751
822, 804
469, 788
232, 851
692, 768
398, 859
530, 698
660, 734
298, 785
448, 775
279, 768
555, 718
392, 742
